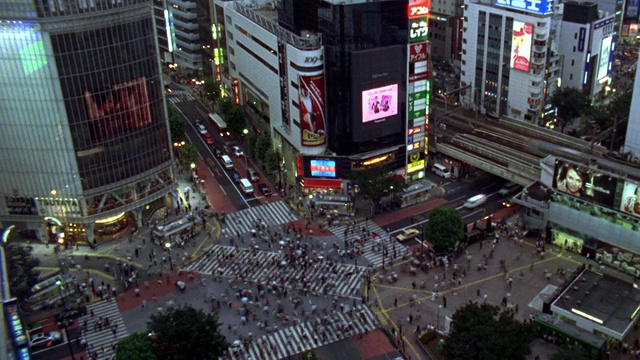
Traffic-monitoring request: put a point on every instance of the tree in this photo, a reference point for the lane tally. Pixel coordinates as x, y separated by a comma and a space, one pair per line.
188, 155
376, 183
271, 161
22, 273
250, 140
136, 346
484, 331
176, 124
262, 147
186, 333
211, 89
236, 121
567, 351
445, 228
571, 103
225, 106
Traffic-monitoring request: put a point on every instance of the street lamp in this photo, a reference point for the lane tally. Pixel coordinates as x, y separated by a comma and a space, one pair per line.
64, 321
438, 318
168, 246
192, 166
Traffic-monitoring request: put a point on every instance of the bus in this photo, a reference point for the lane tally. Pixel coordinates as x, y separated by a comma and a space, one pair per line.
47, 293
220, 125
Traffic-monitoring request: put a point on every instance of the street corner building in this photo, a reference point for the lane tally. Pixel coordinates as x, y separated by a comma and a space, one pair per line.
85, 142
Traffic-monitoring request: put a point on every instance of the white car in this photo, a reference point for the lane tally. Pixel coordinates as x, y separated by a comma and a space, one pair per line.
237, 151
202, 129
508, 188
44, 339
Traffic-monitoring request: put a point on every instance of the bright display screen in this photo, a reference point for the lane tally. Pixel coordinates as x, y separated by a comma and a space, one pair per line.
324, 168
379, 103
521, 46
630, 203
603, 64
585, 183
534, 6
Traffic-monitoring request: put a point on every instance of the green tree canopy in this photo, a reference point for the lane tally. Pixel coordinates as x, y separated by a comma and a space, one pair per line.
225, 106
262, 147
376, 183
485, 332
571, 103
22, 273
176, 124
250, 140
188, 154
136, 346
236, 121
184, 333
211, 89
445, 228
567, 351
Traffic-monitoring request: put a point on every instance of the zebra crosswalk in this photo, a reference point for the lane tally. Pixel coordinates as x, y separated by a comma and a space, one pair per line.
100, 338
375, 258
271, 214
264, 267
304, 336
177, 97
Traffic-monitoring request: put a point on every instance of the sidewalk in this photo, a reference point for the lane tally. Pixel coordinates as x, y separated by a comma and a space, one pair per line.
383, 220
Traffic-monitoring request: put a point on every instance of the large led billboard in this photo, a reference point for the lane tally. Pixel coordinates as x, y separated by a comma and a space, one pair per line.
534, 6
585, 183
605, 51
312, 112
323, 167
379, 103
521, 46
630, 202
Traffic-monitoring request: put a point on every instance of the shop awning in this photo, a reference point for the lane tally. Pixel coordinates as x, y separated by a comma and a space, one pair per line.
322, 184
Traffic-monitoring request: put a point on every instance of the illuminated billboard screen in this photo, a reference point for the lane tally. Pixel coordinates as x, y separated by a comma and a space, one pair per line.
603, 64
418, 8
584, 183
379, 103
312, 114
534, 6
323, 168
630, 203
521, 46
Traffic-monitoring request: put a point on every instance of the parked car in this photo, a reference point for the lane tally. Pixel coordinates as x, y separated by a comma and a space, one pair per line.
202, 129
237, 151
45, 339
218, 152
236, 176
264, 189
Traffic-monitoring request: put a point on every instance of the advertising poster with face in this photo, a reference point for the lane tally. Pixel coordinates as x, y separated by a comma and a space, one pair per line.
630, 202
584, 182
312, 114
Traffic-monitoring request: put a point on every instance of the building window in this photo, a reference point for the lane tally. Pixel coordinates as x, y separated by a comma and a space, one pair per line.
227, 19
570, 76
575, 36
574, 49
232, 51
573, 62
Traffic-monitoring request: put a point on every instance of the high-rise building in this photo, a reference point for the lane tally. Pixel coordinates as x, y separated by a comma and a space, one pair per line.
632, 140
84, 143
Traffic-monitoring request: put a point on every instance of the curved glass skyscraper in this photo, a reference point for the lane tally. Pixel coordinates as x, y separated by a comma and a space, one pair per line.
84, 137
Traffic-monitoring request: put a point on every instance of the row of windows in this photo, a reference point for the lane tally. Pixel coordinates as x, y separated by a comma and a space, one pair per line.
257, 57
256, 40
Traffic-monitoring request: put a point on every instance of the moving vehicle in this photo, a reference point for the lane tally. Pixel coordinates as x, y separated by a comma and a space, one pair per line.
246, 186
252, 174
236, 176
237, 151
508, 188
407, 234
202, 129
264, 189
226, 161
441, 170
475, 201
71, 314
209, 141
218, 152
45, 339
220, 125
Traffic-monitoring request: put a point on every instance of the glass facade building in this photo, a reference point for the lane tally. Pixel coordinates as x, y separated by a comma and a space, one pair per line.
84, 132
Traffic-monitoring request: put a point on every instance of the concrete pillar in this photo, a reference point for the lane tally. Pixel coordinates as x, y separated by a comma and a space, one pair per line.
137, 214
89, 229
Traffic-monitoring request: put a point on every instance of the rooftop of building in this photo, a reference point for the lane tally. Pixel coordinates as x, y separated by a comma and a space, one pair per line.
601, 298
374, 345
537, 191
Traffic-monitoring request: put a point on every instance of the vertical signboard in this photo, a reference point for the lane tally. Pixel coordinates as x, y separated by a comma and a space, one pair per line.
603, 64
312, 114
284, 82
521, 46
418, 88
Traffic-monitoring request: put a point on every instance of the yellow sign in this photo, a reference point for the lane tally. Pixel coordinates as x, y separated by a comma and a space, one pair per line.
375, 160
415, 166
414, 157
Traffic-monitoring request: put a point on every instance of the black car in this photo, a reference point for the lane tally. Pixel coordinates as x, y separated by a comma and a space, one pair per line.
218, 152
71, 314
264, 189
236, 176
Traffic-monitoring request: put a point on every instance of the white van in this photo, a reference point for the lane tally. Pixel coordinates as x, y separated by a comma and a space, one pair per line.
475, 201
226, 161
441, 170
246, 186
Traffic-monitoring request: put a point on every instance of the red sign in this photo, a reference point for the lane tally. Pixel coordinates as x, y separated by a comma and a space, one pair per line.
418, 8
312, 112
418, 52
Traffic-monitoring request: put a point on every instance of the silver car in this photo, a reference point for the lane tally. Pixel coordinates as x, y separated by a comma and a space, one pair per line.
44, 339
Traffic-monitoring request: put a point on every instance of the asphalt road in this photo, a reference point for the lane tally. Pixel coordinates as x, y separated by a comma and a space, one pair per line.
61, 350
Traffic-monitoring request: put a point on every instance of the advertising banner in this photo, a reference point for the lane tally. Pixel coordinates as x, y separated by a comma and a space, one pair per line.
418, 8
534, 6
632, 9
418, 29
521, 46
418, 52
323, 167
630, 202
312, 110
584, 183
603, 63
379, 103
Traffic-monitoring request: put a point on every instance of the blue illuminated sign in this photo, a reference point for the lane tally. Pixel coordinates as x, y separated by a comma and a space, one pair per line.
325, 168
534, 6
12, 317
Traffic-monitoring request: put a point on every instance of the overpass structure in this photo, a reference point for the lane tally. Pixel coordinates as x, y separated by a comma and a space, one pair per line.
507, 148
